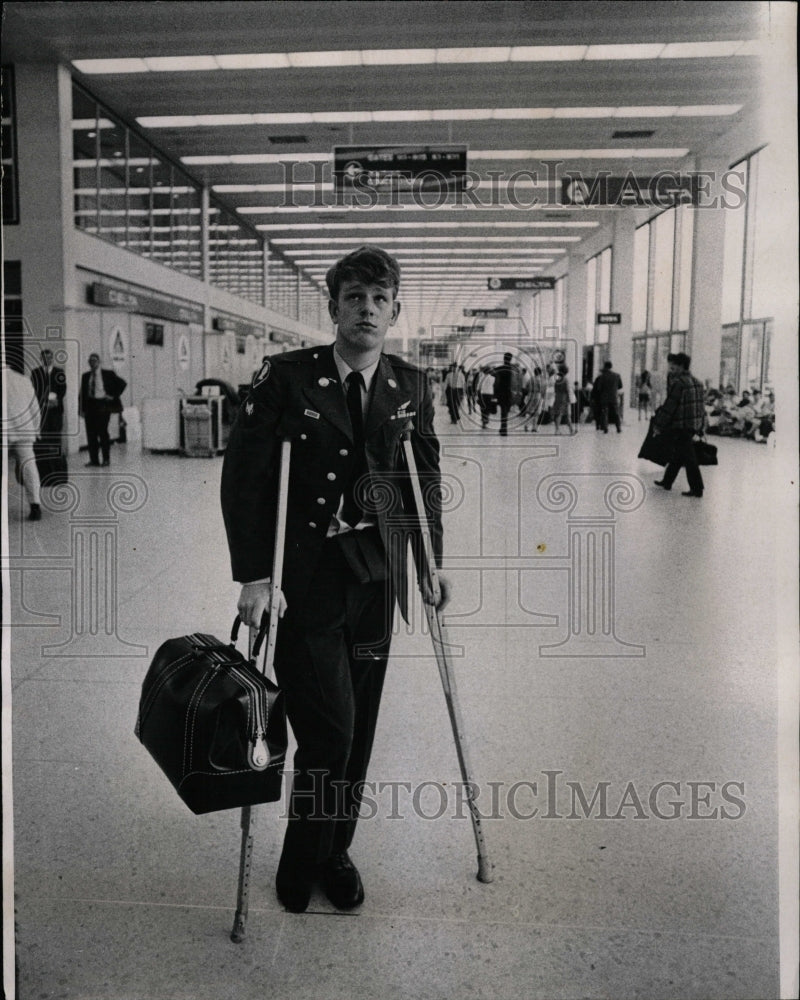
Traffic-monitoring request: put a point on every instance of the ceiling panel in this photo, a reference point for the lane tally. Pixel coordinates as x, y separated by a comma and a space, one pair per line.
78, 30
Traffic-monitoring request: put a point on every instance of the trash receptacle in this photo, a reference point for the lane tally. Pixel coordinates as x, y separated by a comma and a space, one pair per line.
197, 430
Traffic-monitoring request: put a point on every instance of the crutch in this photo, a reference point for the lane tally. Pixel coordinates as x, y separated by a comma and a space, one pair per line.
248, 816
427, 572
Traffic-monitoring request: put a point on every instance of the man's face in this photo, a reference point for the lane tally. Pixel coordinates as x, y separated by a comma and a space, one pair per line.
94, 362
674, 369
47, 358
363, 314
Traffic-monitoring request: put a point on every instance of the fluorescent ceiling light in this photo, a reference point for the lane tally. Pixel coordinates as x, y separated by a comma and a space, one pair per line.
254, 60
428, 251
702, 110
439, 225
650, 111
695, 50
547, 53
181, 64
473, 55
110, 65
574, 154
416, 115
584, 112
338, 240
255, 158
411, 57
395, 57
625, 51
336, 57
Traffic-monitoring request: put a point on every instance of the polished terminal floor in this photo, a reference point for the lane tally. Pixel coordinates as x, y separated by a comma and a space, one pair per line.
610, 637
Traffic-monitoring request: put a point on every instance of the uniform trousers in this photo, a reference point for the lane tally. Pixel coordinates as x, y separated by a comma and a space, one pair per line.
330, 660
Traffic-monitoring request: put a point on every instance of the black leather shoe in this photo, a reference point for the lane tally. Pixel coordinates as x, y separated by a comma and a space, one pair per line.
293, 886
341, 882
660, 482
36, 512
691, 493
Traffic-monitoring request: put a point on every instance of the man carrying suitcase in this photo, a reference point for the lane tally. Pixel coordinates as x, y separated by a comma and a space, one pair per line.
345, 408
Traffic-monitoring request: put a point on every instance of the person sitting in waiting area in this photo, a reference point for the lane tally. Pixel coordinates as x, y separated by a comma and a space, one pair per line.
764, 425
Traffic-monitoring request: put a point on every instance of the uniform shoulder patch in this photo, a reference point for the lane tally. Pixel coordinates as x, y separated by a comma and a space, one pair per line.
262, 374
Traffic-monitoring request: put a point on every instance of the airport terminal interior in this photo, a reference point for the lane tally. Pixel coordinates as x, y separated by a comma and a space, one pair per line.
569, 189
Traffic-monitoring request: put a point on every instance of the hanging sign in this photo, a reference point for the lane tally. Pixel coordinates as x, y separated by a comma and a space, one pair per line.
399, 168
609, 319
146, 305
487, 313
520, 284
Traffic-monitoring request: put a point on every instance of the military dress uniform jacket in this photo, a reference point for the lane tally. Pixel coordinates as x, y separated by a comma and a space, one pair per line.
299, 395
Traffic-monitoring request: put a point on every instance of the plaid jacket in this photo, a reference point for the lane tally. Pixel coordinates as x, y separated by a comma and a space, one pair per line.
684, 406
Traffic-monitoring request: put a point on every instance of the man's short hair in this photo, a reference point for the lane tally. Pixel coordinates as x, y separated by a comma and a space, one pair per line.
684, 361
607, 365
368, 264
507, 357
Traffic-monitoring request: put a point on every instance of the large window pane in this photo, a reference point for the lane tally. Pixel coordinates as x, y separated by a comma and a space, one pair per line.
768, 219
84, 156
139, 190
113, 182
732, 258
663, 257
685, 266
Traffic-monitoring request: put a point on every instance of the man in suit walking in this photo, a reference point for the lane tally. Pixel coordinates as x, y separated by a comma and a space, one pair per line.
607, 387
101, 389
345, 408
50, 385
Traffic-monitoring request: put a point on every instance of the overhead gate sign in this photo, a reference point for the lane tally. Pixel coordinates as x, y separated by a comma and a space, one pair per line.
399, 168
520, 284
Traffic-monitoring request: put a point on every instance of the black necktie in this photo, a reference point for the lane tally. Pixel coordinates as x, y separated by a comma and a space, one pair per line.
351, 508
93, 386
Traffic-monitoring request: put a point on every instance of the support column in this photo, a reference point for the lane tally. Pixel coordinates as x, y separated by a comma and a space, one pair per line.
620, 340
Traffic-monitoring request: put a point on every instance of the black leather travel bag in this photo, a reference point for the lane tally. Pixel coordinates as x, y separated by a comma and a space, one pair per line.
214, 724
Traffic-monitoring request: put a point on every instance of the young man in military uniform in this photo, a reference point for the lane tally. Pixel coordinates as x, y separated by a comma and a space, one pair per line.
345, 408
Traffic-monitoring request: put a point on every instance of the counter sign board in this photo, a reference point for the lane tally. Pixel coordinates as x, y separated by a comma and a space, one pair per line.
399, 168
521, 284
609, 319
487, 313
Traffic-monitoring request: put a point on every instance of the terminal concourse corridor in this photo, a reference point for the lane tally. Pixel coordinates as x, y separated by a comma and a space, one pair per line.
650, 868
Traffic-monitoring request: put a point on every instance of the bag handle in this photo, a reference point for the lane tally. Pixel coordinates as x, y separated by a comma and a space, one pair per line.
262, 632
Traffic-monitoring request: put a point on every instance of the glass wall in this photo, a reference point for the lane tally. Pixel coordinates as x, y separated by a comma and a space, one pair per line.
747, 288
129, 193
662, 284
10, 194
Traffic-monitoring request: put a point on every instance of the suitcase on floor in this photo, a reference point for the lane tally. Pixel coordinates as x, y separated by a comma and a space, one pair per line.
214, 724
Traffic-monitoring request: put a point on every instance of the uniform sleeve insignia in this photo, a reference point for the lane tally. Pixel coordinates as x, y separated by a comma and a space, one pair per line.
262, 374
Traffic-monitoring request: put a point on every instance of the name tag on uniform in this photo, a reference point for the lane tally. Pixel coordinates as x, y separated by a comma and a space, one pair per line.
311, 413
